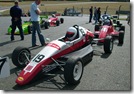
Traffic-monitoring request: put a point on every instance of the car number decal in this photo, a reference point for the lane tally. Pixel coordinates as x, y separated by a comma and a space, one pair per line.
38, 58
82, 31
104, 29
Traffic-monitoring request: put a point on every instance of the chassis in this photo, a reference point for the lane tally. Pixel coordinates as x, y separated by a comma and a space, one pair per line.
53, 21
26, 26
69, 57
114, 32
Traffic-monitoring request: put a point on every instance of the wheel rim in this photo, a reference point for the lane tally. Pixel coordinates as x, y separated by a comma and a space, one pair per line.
22, 57
77, 70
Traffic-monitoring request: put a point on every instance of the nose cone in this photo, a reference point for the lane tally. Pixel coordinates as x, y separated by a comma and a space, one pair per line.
20, 81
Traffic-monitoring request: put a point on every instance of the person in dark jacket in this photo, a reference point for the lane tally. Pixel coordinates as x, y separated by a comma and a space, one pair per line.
99, 13
91, 14
16, 13
95, 15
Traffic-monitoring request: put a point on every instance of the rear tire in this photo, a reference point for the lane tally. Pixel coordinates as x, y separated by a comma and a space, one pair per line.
118, 23
108, 44
121, 37
46, 25
42, 23
122, 28
19, 56
73, 71
61, 20
29, 29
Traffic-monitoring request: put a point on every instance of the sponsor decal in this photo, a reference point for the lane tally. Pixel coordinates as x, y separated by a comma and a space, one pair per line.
29, 68
20, 79
54, 45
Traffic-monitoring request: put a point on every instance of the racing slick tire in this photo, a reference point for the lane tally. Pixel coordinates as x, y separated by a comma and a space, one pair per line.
73, 71
97, 27
29, 29
122, 28
108, 44
118, 22
61, 20
21, 56
42, 23
57, 23
10, 26
121, 37
46, 25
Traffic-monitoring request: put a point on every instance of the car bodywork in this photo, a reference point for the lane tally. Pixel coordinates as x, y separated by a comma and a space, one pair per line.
26, 26
114, 18
71, 12
68, 56
55, 21
102, 31
52, 21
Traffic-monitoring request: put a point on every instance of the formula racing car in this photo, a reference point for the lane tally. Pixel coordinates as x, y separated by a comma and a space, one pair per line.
52, 21
69, 56
26, 26
107, 30
55, 21
114, 19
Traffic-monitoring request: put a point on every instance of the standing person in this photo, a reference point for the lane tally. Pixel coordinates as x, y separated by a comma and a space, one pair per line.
91, 14
128, 19
82, 11
99, 13
35, 18
16, 13
95, 14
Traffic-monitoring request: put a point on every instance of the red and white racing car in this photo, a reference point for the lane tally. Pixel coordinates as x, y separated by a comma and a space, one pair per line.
55, 21
107, 30
68, 56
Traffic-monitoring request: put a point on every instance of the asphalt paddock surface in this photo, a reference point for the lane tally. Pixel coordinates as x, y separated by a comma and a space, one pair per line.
106, 72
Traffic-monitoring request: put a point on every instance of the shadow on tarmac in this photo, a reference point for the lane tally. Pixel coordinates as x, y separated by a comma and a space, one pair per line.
47, 82
8, 42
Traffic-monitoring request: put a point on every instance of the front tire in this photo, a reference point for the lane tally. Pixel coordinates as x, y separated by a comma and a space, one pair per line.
57, 23
108, 44
20, 56
61, 20
73, 71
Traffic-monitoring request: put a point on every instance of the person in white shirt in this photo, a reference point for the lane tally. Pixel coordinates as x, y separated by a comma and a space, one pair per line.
35, 18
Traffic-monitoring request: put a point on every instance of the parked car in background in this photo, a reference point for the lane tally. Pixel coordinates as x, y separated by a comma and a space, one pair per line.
71, 12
